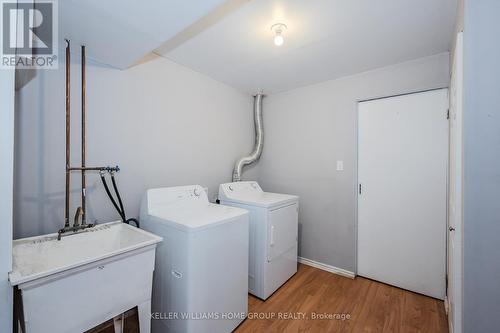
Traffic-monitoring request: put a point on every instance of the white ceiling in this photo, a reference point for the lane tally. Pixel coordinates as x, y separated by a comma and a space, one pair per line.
121, 32
325, 39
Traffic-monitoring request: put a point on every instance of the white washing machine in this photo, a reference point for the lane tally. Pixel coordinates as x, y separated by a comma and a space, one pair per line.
200, 281
273, 234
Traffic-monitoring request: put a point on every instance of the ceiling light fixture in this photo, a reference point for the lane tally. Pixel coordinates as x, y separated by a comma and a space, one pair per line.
278, 29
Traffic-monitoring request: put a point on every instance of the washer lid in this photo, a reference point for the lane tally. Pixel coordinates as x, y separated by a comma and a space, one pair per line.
197, 218
250, 193
187, 208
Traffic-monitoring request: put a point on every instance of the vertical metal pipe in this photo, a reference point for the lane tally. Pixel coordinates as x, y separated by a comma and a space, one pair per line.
68, 119
83, 136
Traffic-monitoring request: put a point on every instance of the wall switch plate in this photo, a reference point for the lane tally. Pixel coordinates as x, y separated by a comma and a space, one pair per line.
340, 165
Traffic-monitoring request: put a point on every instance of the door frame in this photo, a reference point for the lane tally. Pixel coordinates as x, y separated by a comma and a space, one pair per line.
455, 323
356, 169
7, 127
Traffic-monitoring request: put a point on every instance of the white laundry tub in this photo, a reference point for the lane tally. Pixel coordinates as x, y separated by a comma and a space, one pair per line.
84, 279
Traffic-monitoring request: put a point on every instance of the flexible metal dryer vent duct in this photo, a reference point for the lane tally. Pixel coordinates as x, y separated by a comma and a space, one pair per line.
259, 139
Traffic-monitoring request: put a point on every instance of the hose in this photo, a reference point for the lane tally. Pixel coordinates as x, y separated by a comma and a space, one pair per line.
111, 196
120, 209
117, 194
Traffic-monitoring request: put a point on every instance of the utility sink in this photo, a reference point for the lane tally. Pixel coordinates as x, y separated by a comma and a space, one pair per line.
84, 279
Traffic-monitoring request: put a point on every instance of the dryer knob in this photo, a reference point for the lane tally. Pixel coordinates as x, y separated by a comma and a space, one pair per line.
196, 192
230, 188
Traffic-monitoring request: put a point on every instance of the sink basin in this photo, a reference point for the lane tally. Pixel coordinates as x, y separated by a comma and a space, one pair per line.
84, 279
40, 256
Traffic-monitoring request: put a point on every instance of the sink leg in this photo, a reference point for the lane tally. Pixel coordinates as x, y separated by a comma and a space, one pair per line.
144, 312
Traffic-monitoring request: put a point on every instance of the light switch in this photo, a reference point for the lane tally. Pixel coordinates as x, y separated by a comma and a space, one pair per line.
340, 165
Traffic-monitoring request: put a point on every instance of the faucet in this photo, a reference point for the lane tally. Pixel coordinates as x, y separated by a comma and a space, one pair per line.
78, 215
77, 226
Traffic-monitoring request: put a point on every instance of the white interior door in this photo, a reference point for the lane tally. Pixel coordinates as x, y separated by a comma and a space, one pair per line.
454, 291
402, 199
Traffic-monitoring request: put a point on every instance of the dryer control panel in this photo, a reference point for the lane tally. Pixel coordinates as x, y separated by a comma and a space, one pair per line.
239, 188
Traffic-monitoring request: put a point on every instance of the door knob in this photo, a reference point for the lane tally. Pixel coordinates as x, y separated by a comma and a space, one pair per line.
451, 228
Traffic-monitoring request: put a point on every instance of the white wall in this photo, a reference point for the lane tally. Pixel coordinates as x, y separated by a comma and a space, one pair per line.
481, 184
6, 194
163, 124
309, 129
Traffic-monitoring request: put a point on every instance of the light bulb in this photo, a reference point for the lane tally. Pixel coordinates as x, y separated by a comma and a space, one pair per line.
278, 29
278, 40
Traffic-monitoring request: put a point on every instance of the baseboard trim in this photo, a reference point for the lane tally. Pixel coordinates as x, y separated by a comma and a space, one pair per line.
325, 267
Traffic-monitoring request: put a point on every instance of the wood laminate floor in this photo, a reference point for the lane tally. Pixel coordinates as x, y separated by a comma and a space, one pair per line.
359, 305
370, 306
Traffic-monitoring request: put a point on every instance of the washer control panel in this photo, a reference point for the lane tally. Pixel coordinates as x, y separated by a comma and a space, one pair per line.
172, 195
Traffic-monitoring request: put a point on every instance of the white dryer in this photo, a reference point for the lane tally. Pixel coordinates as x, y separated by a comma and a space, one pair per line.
273, 234
200, 281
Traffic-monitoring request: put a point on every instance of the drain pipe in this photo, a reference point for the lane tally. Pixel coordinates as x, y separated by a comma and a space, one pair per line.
259, 139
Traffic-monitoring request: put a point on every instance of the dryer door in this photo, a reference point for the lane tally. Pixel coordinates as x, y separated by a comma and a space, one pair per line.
282, 230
